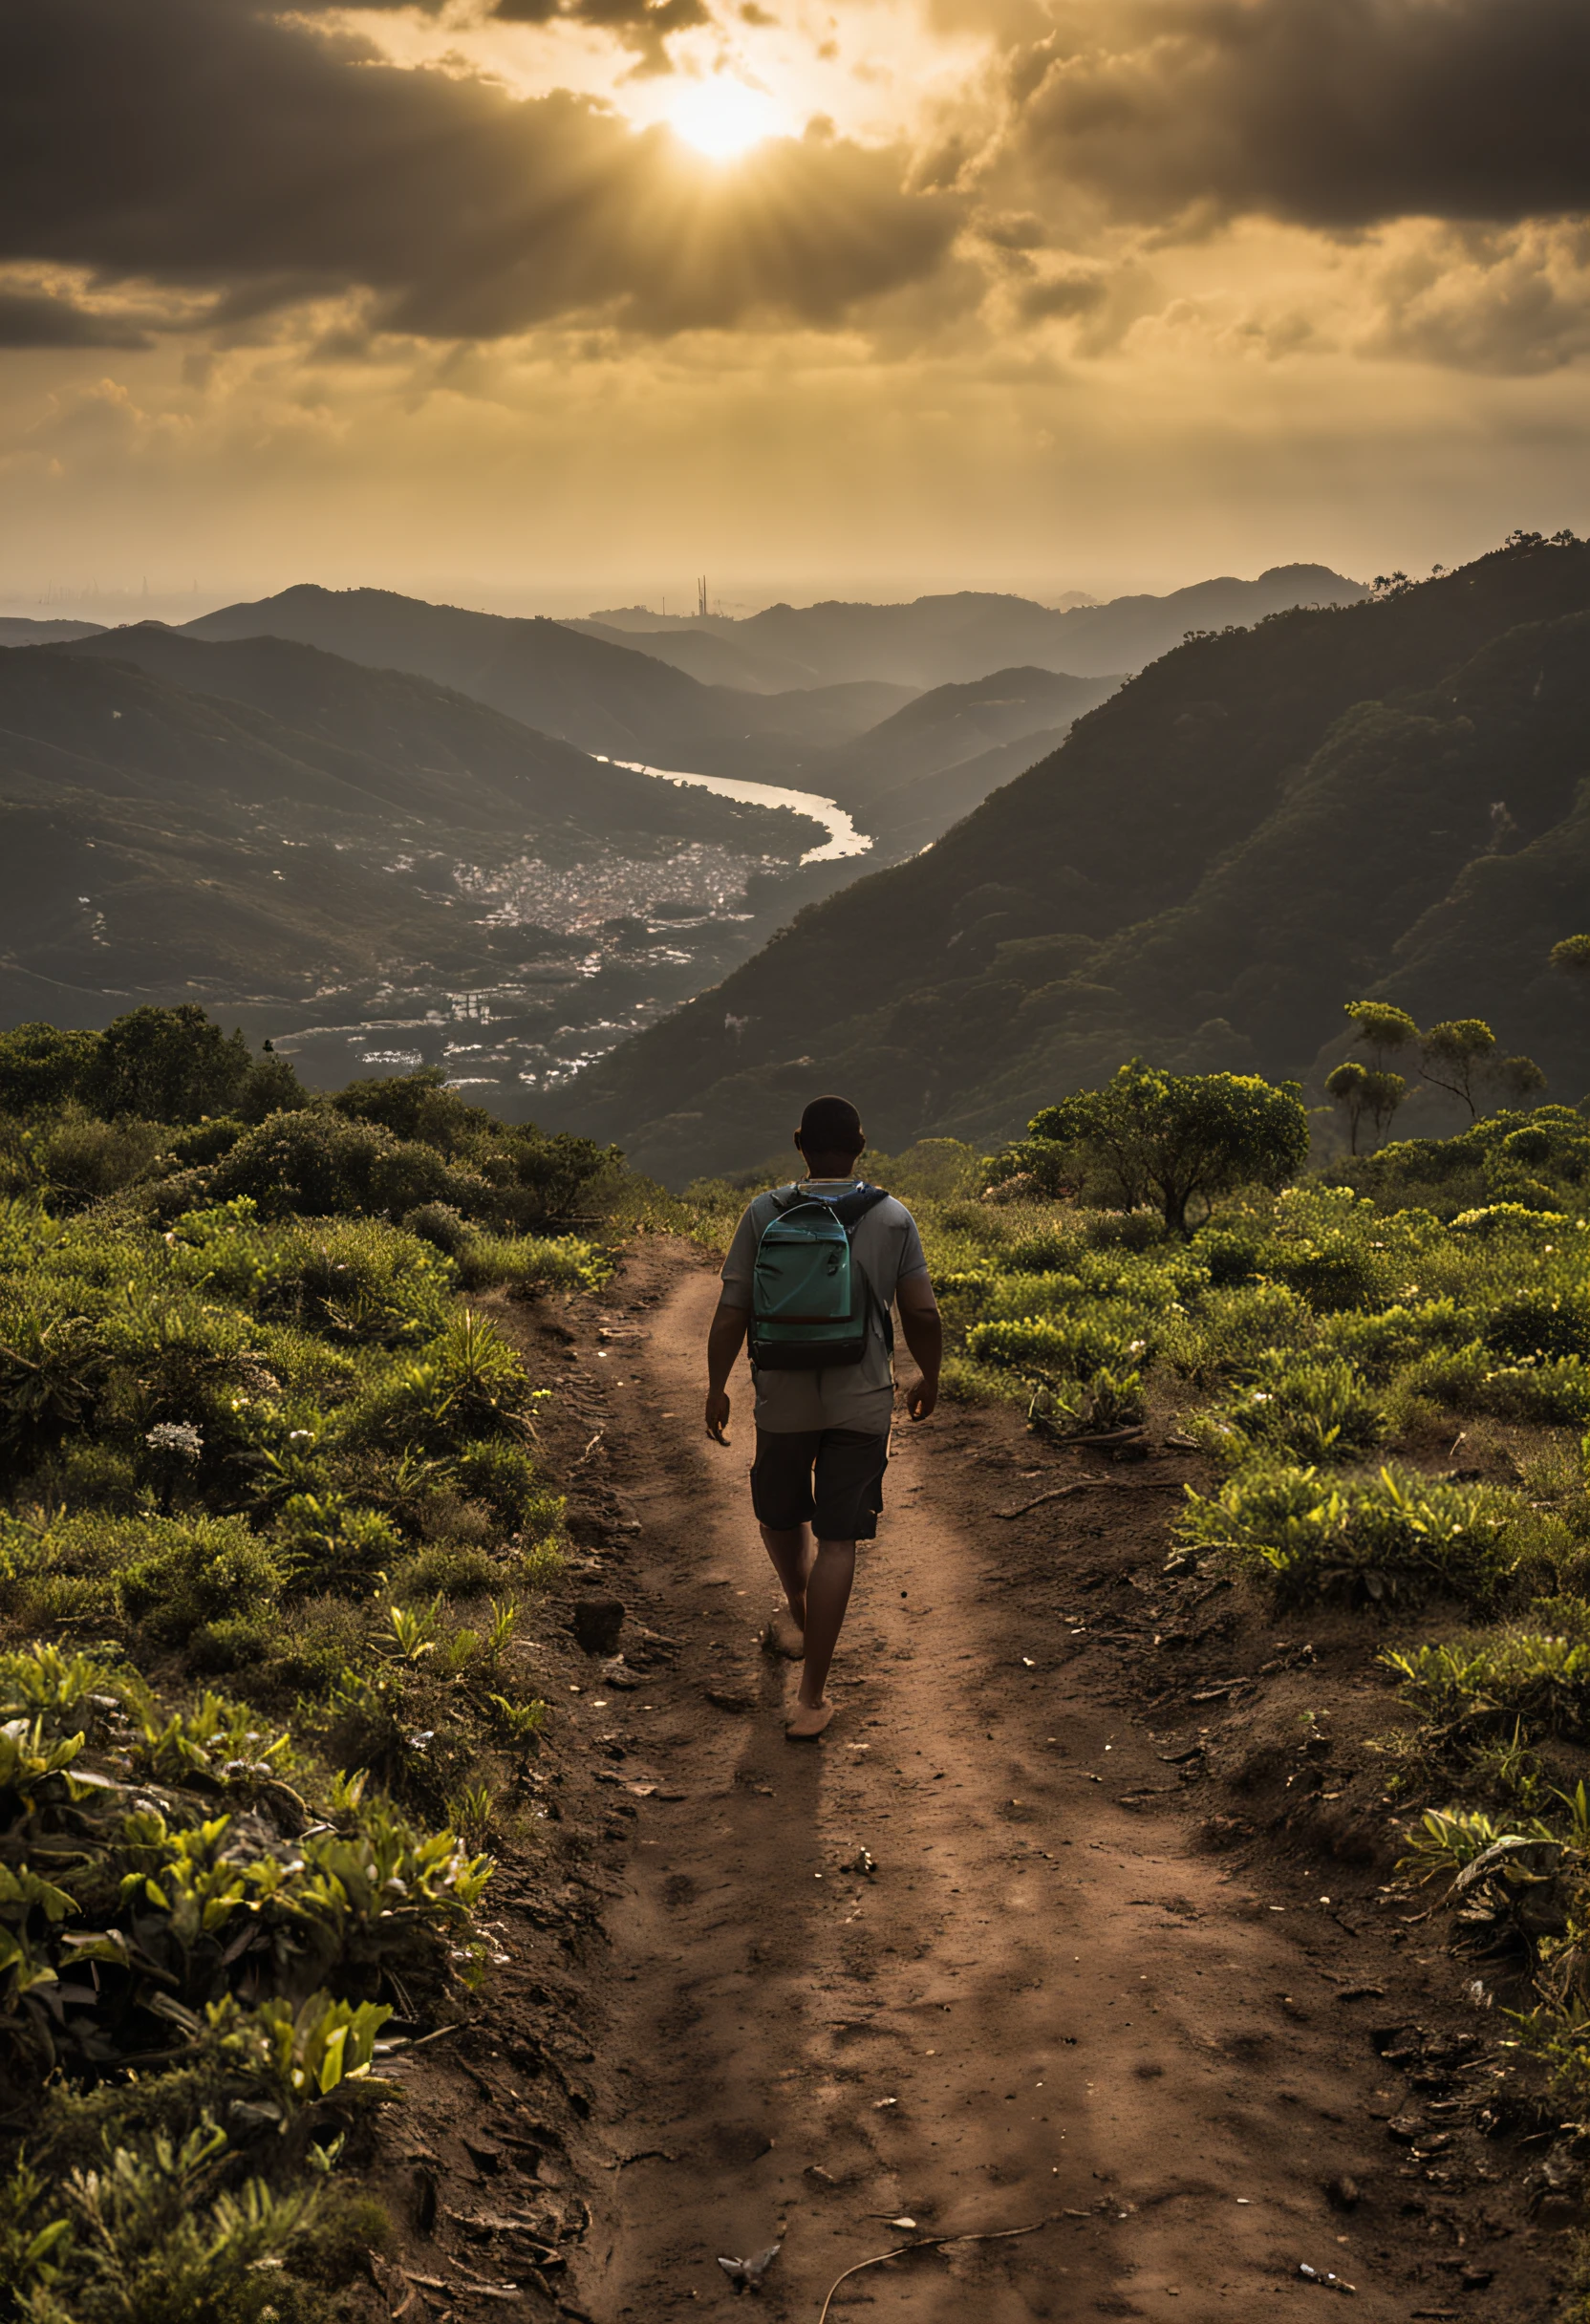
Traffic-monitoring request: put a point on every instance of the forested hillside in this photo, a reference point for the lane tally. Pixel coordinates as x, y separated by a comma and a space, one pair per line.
1262, 824
950, 725
258, 818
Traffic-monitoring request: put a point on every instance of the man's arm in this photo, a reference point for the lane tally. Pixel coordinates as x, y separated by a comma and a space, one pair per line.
724, 1342
924, 1336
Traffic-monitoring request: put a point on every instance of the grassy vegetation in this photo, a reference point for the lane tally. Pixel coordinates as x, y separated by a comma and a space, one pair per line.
272, 1515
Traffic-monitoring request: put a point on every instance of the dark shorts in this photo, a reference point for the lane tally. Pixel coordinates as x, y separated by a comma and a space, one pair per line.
828, 1478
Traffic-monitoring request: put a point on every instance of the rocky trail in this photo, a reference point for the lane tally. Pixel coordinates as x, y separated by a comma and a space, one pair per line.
1071, 1931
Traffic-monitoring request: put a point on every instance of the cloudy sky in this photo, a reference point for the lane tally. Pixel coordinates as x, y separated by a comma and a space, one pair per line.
567, 298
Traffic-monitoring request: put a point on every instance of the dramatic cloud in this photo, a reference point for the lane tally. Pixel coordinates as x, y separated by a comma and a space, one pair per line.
200, 142
33, 318
1515, 302
642, 26
1332, 113
1030, 293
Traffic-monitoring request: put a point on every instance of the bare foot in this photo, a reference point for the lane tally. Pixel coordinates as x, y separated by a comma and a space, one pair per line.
784, 1635
808, 1721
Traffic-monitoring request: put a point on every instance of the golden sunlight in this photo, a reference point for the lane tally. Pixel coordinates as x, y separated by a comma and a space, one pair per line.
720, 118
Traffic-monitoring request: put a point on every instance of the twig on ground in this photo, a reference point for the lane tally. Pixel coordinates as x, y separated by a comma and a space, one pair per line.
929, 2243
416, 2041
1082, 1484
1132, 1434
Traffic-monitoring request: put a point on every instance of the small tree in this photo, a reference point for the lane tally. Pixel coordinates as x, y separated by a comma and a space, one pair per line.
40, 1067
1453, 1055
169, 1065
1366, 1092
1517, 1077
1571, 956
1170, 1137
1382, 1028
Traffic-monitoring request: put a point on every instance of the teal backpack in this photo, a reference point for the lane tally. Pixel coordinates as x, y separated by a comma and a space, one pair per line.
812, 1304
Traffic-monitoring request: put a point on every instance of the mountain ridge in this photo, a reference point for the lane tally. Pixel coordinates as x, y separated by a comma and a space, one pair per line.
962, 635
1127, 893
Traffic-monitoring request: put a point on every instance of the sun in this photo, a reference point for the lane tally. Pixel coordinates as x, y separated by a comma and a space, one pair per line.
722, 117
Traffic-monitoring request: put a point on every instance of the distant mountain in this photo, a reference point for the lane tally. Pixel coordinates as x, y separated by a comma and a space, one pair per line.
407, 745
1130, 632
706, 655
299, 821
974, 632
14, 630
952, 724
587, 690
1381, 796
916, 814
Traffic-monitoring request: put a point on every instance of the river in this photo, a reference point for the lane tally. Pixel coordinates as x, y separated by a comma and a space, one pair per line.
844, 839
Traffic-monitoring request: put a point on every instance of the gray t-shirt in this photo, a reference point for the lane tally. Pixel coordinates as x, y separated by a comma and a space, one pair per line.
886, 1247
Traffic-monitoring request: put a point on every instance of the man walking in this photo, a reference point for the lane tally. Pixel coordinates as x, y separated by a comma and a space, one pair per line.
822, 1425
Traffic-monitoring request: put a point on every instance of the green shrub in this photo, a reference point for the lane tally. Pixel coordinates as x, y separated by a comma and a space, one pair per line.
325, 1541
963, 1292
1468, 1379
525, 1262
317, 1162
1381, 1343
1231, 1331
79, 1159
161, 2230
356, 1279
1540, 1322
1231, 1254
1018, 1298
503, 1475
199, 1142
1499, 1218
1490, 1680
169, 1574
447, 1569
1133, 1230
52, 1369
173, 1573
1303, 1407
42, 1068
469, 1383
1396, 1535
1052, 1251
1075, 1348
438, 1223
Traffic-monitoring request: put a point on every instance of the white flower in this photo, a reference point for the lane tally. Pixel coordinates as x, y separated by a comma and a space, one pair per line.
180, 1439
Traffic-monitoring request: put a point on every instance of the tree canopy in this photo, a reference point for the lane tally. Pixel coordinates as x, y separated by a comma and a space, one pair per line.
1172, 1138
1459, 1056
1366, 1092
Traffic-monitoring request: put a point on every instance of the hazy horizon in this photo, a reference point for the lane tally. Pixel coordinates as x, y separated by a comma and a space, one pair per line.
737, 598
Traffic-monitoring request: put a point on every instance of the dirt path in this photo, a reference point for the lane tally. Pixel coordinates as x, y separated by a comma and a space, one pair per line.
1045, 2005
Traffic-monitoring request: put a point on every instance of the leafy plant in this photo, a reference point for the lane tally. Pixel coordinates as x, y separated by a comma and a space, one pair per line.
1393, 1537
1308, 1406
1497, 1678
